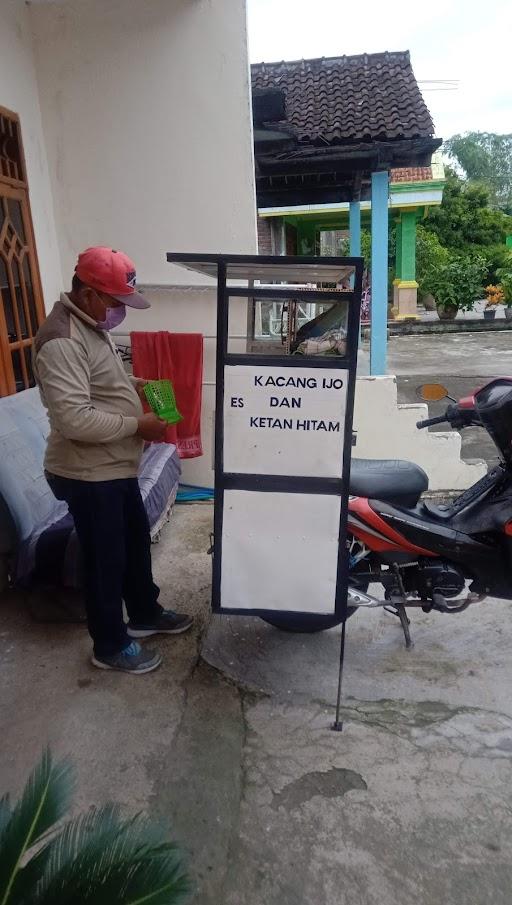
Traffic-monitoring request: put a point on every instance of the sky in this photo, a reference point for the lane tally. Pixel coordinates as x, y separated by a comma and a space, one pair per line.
461, 41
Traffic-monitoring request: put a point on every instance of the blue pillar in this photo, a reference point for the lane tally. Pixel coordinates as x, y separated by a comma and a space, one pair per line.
355, 229
379, 312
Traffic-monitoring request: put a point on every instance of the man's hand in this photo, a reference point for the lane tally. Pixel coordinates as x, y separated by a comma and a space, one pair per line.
152, 428
139, 388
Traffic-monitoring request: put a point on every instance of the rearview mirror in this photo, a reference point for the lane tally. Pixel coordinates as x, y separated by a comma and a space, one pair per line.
432, 392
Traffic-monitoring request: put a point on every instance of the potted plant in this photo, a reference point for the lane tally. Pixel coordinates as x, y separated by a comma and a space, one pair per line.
493, 297
430, 255
456, 285
428, 301
446, 303
442, 287
505, 278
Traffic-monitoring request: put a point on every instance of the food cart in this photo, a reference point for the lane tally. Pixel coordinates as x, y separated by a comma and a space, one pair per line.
283, 433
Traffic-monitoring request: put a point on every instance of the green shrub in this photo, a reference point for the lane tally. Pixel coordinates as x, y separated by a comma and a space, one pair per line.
457, 283
430, 256
497, 257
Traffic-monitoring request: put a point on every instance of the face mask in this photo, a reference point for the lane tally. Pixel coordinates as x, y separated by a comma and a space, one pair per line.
113, 317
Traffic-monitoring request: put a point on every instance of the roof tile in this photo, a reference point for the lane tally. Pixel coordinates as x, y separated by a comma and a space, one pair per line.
351, 98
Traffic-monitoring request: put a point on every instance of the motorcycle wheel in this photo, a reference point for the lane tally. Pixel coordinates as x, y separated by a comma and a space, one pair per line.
309, 623
305, 623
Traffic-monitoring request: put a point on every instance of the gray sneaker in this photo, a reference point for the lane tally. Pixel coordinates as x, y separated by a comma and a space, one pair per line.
167, 623
133, 659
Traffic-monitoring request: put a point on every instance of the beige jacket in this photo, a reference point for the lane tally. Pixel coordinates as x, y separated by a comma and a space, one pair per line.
92, 403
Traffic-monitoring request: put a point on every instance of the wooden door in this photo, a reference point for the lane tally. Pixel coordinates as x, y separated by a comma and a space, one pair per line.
21, 304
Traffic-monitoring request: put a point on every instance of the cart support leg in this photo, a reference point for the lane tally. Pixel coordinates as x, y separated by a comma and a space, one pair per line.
337, 726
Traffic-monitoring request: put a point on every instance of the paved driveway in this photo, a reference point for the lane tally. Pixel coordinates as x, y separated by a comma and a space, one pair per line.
412, 802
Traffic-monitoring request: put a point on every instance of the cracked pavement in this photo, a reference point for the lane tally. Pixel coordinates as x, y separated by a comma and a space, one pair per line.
230, 742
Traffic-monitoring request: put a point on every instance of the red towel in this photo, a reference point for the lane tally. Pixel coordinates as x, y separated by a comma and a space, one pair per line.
177, 357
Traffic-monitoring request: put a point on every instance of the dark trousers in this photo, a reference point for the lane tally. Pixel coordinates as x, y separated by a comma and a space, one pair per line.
113, 530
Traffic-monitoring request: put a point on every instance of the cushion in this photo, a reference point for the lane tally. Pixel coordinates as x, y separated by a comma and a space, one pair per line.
37, 525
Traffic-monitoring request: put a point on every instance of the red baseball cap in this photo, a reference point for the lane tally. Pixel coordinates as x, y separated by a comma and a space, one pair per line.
112, 272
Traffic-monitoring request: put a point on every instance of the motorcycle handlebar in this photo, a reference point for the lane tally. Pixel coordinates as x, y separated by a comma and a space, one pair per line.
456, 417
428, 421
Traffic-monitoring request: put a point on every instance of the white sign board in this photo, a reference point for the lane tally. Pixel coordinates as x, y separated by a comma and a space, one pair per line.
280, 551
284, 421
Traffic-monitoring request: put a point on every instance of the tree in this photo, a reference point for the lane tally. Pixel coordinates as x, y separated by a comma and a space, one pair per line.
465, 217
466, 225
486, 158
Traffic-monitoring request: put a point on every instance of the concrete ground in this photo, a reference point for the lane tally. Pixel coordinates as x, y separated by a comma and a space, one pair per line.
230, 742
463, 355
476, 313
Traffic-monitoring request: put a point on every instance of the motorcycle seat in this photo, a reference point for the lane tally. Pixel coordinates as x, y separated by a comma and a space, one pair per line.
389, 480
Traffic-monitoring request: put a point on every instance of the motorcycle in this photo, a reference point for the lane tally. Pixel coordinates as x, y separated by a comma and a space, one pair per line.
436, 557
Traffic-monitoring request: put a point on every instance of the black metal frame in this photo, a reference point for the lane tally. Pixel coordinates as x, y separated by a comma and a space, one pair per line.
281, 483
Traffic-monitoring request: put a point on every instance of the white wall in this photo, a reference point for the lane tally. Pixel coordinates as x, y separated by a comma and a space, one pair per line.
386, 430
19, 93
146, 111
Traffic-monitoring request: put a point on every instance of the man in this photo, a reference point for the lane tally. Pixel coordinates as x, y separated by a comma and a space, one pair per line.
98, 429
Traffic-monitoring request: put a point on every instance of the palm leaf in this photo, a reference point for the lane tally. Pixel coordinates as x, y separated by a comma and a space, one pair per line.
100, 858
55, 852
88, 831
5, 812
44, 801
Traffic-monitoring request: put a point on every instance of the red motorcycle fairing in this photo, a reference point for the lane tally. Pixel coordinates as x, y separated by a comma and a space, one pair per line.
470, 402
372, 530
